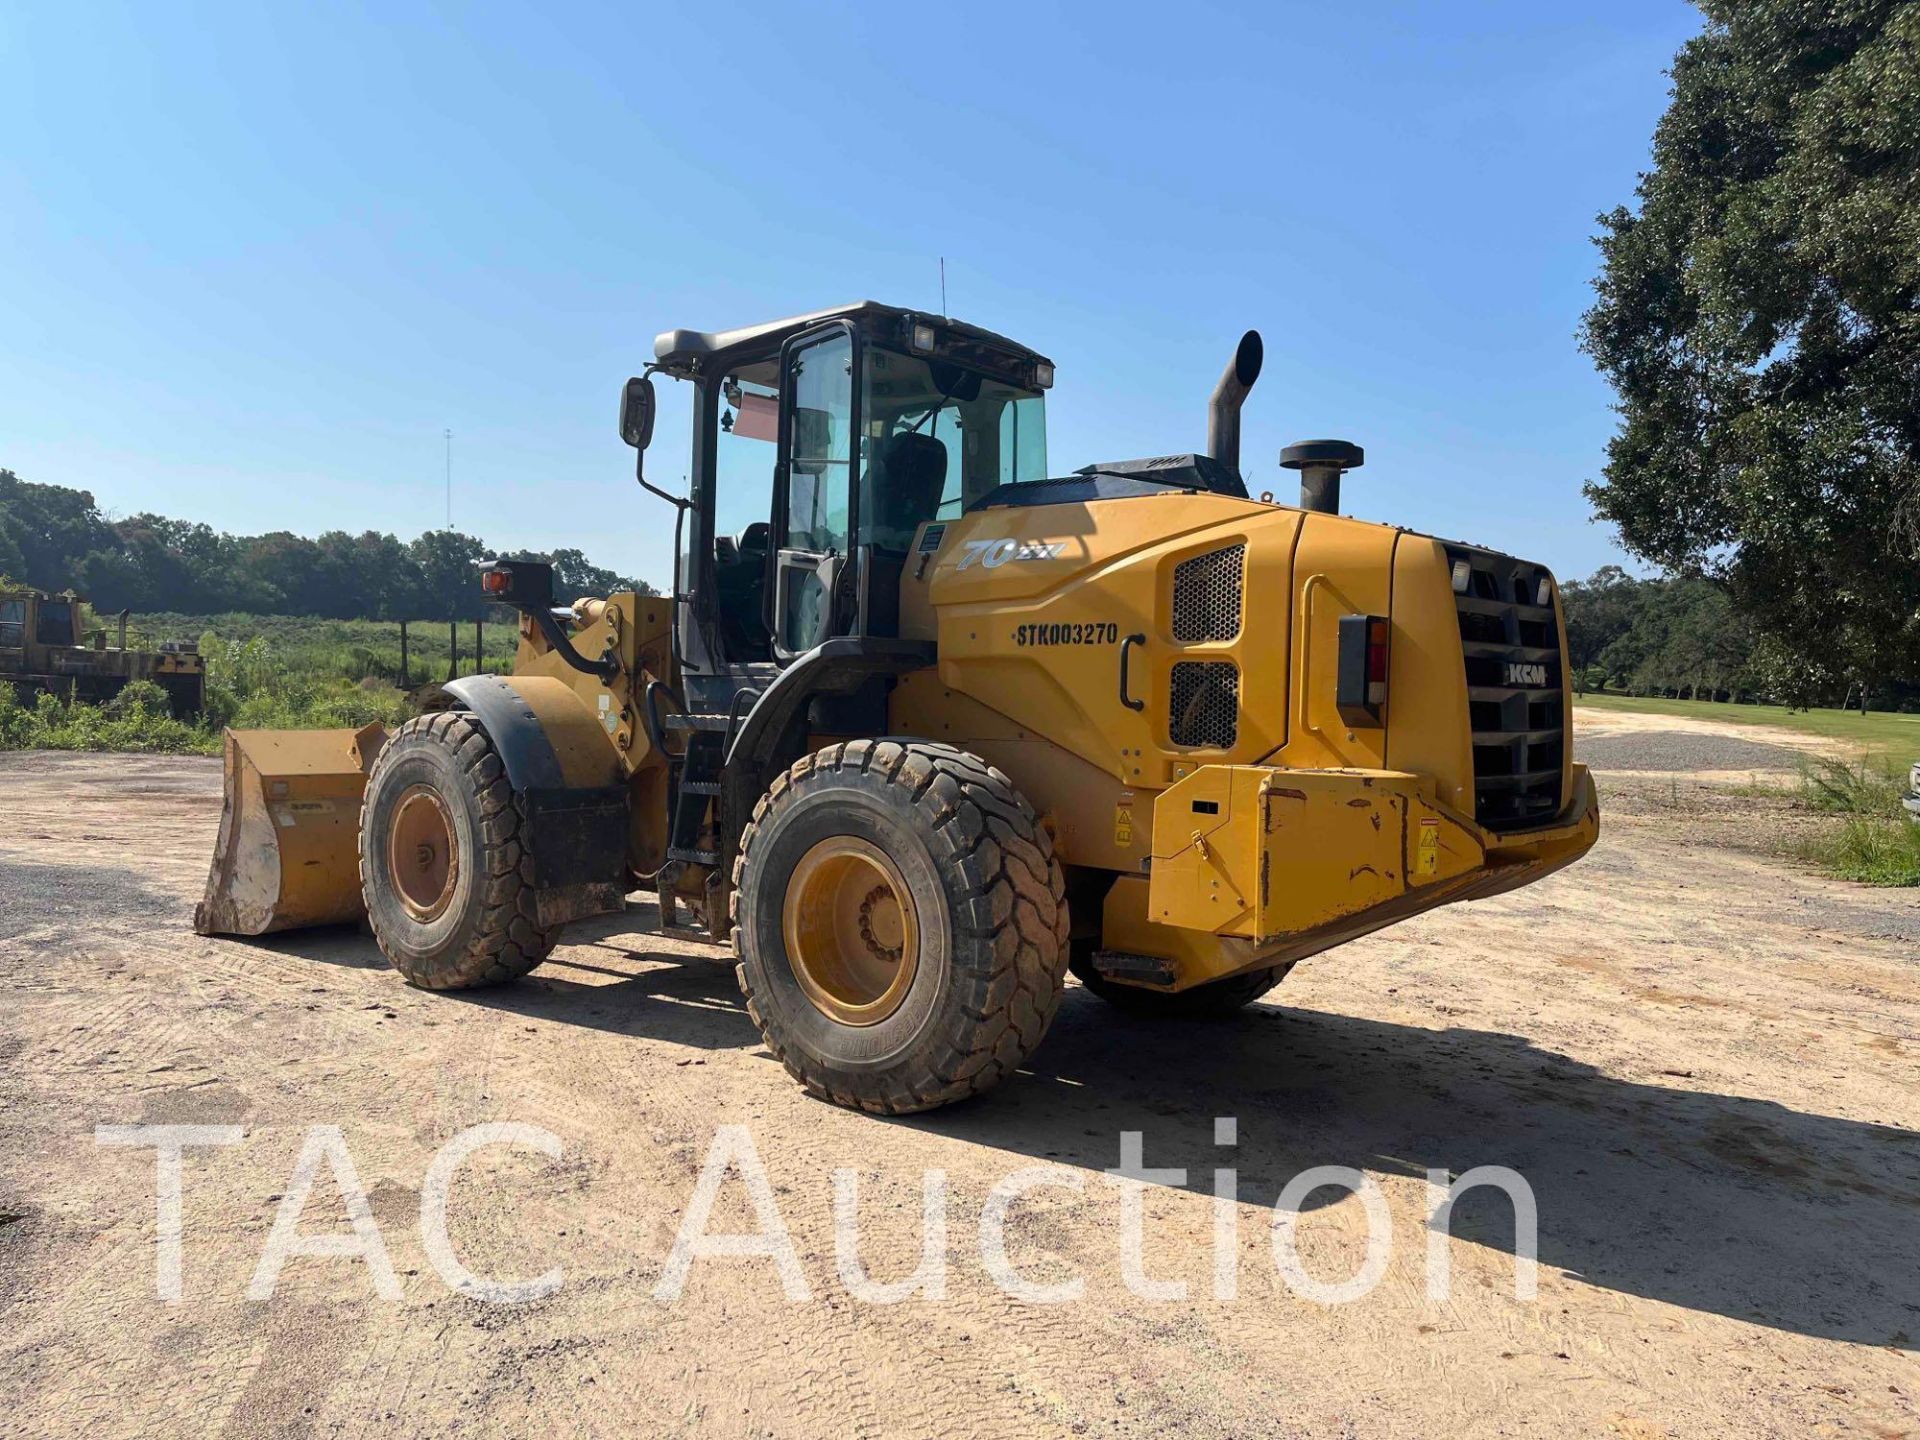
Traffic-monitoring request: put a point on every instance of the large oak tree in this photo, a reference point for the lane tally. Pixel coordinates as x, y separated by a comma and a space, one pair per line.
1759, 317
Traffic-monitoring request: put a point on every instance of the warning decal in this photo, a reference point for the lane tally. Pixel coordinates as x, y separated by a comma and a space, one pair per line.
1428, 854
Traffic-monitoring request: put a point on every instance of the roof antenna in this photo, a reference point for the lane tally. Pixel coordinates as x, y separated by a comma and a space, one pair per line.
943, 288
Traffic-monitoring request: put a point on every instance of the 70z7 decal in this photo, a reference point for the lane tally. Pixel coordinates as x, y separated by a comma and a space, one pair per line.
995, 553
1092, 632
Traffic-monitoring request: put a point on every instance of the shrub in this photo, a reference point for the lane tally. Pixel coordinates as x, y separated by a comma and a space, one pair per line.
1861, 788
137, 695
1871, 850
1875, 844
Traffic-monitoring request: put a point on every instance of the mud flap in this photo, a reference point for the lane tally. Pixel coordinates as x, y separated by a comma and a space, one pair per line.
579, 845
288, 854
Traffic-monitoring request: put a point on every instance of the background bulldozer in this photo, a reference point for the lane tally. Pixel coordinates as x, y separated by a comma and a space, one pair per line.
921, 727
45, 648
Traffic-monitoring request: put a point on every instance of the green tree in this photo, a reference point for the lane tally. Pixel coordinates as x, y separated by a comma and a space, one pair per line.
1758, 315
449, 568
13, 563
1599, 610
50, 528
53, 537
574, 575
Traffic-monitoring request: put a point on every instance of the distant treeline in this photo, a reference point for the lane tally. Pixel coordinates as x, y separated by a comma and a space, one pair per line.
54, 538
1685, 638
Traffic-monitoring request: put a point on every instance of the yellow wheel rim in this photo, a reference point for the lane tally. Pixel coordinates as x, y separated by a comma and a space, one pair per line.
853, 939
421, 859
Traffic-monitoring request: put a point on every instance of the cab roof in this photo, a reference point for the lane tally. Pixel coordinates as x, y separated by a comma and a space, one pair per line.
688, 351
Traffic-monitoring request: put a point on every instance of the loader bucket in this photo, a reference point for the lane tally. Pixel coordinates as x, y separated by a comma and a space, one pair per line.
289, 853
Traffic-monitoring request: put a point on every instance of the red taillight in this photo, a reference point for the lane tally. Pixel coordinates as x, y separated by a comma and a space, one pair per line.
1376, 660
1377, 651
1361, 684
495, 582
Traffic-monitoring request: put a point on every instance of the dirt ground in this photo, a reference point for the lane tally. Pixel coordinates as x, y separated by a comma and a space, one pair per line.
1700, 1059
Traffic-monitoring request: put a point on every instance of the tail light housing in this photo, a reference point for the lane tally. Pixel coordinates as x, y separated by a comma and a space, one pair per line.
1360, 690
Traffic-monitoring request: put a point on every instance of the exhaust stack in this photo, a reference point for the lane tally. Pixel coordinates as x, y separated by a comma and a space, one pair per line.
1223, 410
1321, 464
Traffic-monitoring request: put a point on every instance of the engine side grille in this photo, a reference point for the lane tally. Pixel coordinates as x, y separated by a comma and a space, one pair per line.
1204, 703
1207, 595
1511, 646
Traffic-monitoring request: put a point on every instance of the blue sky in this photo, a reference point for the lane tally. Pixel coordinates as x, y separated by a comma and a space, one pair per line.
254, 259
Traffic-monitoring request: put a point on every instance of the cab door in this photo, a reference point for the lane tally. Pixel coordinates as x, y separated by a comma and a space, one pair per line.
816, 492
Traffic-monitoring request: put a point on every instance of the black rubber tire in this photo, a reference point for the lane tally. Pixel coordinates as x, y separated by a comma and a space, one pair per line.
992, 912
487, 934
1213, 1001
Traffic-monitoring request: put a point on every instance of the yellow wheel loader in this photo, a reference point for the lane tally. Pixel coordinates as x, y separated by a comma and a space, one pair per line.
922, 727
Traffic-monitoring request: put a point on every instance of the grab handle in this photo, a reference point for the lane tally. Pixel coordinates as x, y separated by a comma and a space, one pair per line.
1126, 646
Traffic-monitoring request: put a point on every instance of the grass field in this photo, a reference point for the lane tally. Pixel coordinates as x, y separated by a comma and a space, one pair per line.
264, 672
1877, 733
353, 650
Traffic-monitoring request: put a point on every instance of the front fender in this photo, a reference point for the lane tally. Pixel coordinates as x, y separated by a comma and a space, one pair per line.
547, 738
572, 786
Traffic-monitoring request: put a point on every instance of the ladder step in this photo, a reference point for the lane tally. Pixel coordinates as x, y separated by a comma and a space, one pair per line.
693, 857
700, 787
678, 721
1120, 965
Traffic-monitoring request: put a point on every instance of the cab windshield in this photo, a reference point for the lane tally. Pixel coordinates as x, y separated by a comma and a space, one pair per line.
938, 437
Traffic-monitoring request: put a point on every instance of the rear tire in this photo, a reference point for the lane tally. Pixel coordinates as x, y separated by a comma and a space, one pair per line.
1214, 1000
929, 914
444, 870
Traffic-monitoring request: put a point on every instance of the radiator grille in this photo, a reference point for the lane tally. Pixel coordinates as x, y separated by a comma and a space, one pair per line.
1207, 596
1204, 703
1511, 646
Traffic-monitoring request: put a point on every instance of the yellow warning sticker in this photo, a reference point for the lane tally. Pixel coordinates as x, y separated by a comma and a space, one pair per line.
1428, 854
1122, 826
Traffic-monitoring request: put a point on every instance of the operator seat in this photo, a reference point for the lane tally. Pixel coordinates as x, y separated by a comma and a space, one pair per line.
907, 477
908, 481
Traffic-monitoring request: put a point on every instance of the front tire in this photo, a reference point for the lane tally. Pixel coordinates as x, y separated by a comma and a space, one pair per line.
444, 868
900, 924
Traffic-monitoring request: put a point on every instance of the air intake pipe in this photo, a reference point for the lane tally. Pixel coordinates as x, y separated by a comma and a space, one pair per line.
1321, 464
1223, 410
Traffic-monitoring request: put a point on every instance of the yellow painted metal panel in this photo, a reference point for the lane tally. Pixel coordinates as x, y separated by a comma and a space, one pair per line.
1426, 677
1035, 606
1264, 853
1340, 567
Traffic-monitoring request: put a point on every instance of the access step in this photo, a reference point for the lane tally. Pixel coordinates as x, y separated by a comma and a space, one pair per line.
681, 721
693, 857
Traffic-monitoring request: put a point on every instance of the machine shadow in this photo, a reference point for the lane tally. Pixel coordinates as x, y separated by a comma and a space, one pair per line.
1717, 1203
675, 998
606, 976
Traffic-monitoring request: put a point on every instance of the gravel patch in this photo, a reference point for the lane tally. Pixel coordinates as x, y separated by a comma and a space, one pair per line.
1682, 752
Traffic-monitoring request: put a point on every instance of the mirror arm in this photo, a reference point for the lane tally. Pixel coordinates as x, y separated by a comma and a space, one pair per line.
640, 461
640, 474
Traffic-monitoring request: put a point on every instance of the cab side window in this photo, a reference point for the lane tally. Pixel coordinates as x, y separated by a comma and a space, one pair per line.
820, 483
745, 446
54, 624
817, 531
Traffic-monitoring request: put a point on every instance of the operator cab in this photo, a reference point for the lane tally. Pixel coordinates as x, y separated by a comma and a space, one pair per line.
822, 445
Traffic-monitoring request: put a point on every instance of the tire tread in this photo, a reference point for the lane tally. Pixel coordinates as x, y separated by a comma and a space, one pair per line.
1014, 899
508, 942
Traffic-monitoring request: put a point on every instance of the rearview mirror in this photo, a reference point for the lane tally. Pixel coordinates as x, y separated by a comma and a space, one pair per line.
636, 412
